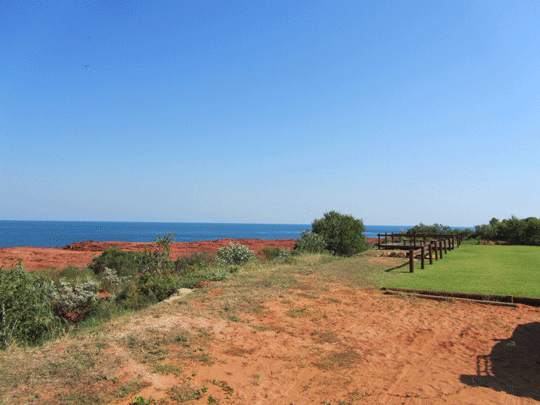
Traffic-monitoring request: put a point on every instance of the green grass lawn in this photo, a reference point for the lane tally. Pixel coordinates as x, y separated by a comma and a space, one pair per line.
503, 270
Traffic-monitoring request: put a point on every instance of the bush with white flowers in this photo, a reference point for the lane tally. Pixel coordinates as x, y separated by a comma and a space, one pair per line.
234, 254
74, 302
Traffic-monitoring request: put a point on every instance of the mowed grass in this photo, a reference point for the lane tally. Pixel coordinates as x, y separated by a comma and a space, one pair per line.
481, 269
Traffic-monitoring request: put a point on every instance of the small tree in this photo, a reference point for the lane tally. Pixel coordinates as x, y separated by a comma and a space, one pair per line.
343, 234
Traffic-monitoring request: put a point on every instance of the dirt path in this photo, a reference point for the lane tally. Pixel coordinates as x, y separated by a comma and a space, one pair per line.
360, 347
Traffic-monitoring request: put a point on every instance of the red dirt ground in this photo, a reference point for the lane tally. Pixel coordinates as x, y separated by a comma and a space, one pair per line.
82, 253
352, 346
357, 347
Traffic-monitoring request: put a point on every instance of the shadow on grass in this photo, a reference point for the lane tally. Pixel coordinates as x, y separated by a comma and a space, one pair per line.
406, 264
512, 366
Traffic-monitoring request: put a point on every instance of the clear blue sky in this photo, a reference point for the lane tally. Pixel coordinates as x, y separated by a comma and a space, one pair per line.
270, 111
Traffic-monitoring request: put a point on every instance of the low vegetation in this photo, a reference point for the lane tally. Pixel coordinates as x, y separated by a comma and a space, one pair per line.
37, 306
26, 305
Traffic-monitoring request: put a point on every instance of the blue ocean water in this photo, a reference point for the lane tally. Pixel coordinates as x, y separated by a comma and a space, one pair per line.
61, 233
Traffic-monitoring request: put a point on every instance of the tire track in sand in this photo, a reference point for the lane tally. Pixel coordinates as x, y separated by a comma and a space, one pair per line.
416, 382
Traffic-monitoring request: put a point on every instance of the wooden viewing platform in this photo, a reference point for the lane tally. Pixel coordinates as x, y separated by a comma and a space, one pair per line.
433, 244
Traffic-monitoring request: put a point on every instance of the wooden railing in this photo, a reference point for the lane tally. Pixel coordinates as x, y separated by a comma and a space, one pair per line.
434, 244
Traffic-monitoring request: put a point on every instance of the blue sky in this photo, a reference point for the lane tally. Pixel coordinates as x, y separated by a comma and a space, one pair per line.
270, 111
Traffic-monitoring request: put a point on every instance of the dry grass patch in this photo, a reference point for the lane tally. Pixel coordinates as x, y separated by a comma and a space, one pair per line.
344, 358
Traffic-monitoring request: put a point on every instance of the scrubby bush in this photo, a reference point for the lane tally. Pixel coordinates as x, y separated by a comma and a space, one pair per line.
198, 260
310, 242
269, 252
157, 287
110, 281
234, 254
158, 259
26, 313
123, 262
74, 302
274, 253
343, 234
154, 281
146, 289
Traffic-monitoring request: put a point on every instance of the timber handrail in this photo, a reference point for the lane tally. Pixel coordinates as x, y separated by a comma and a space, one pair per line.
416, 244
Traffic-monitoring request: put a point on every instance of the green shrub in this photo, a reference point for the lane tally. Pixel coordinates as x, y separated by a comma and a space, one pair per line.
26, 313
130, 296
157, 260
157, 287
274, 253
269, 252
234, 254
198, 260
123, 262
310, 242
343, 234
74, 302
147, 289
110, 281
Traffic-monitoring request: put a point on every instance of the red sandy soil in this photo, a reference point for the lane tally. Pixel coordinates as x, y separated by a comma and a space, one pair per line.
347, 346
356, 347
82, 253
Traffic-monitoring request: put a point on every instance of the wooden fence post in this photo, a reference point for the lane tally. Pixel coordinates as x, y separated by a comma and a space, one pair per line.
379, 241
411, 261
440, 249
436, 249
444, 243
430, 248
423, 258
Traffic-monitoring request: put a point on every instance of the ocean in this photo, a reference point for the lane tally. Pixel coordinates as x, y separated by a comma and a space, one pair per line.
62, 233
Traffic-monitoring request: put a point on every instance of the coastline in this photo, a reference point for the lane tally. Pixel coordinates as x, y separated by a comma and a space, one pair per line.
81, 253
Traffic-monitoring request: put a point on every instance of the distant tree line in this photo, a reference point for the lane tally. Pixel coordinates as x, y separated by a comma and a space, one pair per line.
514, 230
